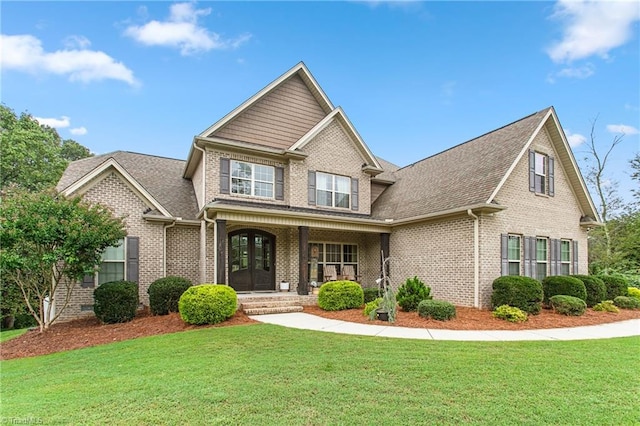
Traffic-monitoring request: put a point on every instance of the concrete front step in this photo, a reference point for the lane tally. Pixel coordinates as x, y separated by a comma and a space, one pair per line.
272, 310
269, 304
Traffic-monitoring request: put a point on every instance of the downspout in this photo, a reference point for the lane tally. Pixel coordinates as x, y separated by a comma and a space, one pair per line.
164, 247
476, 258
203, 225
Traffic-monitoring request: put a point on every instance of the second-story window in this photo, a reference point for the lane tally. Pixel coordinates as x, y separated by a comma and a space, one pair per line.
252, 179
333, 190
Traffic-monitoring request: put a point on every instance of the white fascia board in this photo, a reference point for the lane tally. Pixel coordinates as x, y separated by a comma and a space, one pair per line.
344, 120
112, 163
300, 67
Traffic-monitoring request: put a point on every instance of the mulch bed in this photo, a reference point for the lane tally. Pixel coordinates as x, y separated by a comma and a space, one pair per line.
89, 332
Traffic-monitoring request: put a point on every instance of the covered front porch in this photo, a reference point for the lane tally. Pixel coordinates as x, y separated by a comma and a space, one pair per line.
258, 248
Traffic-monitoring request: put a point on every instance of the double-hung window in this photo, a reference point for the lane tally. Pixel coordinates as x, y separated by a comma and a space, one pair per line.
541, 173
565, 257
113, 264
513, 254
333, 190
252, 179
542, 251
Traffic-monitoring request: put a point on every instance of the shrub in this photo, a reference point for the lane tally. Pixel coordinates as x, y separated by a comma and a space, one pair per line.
372, 306
595, 287
340, 295
115, 301
606, 306
563, 285
412, 292
616, 285
568, 305
436, 309
207, 304
633, 292
625, 302
371, 294
521, 292
165, 293
510, 313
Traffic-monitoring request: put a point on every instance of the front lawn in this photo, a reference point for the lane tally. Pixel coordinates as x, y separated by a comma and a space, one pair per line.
10, 334
264, 374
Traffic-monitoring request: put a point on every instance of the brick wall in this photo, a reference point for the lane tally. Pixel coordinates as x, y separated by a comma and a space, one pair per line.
183, 252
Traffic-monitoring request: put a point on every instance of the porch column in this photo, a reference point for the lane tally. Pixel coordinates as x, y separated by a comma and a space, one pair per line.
221, 251
303, 259
384, 248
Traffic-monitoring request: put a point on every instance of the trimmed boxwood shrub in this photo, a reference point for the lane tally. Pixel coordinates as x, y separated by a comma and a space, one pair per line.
616, 285
596, 289
625, 302
606, 306
633, 292
568, 305
164, 294
437, 309
521, 292
115, 301
411, 293
372, 306
371, 294
207, 304
563, 285
340, 295
510, 313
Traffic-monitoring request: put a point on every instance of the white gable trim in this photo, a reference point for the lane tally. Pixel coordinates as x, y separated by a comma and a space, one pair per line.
111, 163
306, 76
338, 114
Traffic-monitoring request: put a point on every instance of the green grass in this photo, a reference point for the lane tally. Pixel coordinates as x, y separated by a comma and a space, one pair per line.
10, 334
265, 374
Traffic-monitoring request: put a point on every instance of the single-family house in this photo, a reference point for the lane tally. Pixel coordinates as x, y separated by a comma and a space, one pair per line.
284, 189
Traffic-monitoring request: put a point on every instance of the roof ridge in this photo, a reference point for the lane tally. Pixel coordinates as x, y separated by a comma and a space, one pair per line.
475, 138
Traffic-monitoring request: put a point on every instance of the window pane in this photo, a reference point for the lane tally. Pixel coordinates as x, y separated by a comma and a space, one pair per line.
541, 249
342, 200
264, 189
333, 253
540, 164
324, 182
514, 268
111, 271
241, 170
564, 269
263, 173
343, 184
514, 248
239, 186
323, 198
565, 251
113, 252
350, 253
541, 271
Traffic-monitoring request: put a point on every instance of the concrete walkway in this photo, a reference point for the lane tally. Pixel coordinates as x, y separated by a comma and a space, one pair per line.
312, 322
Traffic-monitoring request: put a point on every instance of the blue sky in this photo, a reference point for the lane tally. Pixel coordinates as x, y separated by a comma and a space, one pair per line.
414, 78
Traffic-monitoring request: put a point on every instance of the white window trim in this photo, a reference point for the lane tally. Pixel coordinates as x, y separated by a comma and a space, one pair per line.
334, 190
545, 167
253, 180
342, 263
544, 261
509, 260
123, 261
566, 262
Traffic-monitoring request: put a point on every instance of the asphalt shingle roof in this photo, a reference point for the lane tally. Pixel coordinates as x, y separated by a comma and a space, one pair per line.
461, 176
160, 176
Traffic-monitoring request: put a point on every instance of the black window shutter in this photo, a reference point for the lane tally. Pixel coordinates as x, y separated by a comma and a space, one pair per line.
552, 188
504, 247
575, 257
354, 194
528, 270
312, 188
532, 170
88, 281
224, 175
133, 249
279, 183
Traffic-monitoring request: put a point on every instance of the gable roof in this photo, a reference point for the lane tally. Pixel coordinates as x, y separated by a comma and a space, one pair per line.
472, 173
158, 179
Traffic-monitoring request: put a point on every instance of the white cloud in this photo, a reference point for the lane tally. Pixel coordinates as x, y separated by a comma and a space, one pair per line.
25, 53
622, 128
574, 139
76, 42
182, 31
56, 123
577, 72
593, 28
78, 131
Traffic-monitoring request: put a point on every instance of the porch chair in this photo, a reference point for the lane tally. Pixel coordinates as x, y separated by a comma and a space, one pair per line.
329, 273
348, 273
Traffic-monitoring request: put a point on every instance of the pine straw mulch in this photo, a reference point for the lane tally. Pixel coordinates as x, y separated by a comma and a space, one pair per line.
90, 332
